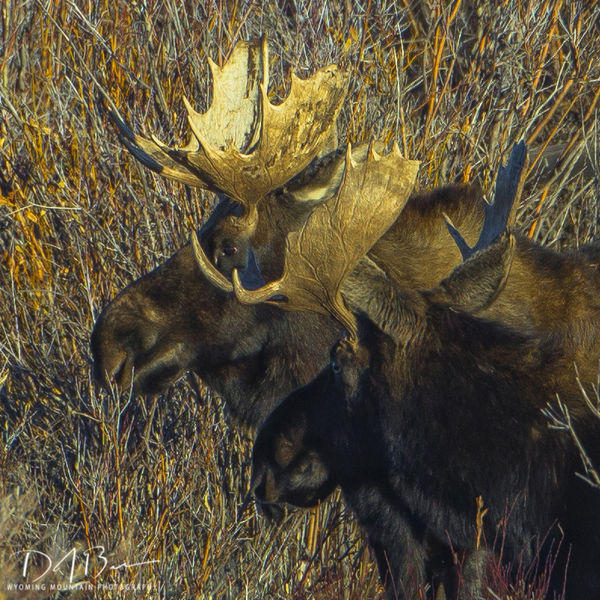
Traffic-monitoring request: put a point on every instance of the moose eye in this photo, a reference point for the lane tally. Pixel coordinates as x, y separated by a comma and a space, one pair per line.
304, 468
335, 366
229, 250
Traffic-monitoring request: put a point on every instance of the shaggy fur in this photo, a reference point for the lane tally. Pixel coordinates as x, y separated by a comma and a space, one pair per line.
419, 422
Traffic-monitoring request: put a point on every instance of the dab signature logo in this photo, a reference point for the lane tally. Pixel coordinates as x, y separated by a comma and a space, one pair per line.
93, 561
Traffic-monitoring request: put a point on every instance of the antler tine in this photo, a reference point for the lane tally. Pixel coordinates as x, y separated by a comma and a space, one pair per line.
501, 213
213, 275
337, 234
152, 156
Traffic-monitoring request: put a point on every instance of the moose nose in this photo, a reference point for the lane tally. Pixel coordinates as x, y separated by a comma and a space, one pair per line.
266, 496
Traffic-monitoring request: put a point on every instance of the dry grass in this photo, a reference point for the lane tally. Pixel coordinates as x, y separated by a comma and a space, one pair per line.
162, 479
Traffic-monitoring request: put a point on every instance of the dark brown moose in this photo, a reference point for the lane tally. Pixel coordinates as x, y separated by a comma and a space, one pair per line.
427, 411
276, 164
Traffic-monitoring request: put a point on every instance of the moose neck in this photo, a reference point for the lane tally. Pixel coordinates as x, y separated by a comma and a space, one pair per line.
420, 235
291, 349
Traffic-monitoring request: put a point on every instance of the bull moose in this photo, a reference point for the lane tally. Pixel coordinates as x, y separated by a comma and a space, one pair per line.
425, 409
275, 164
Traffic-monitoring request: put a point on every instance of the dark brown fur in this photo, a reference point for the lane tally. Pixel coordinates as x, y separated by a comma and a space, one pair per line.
418, 422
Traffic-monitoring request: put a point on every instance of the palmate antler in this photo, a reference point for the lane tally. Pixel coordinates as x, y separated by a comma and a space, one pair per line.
337, 234
244, 146
502, 212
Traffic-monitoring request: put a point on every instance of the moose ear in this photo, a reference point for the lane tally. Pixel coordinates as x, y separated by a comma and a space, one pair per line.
321, 180
476, 283
368, 290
